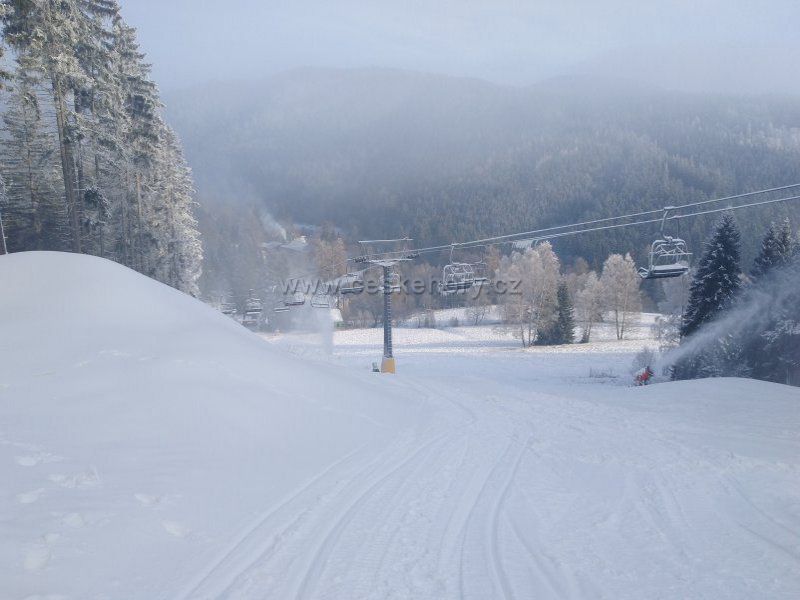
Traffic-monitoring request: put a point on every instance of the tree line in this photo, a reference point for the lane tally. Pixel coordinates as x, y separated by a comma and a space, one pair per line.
88, 162
739, 324
382, 154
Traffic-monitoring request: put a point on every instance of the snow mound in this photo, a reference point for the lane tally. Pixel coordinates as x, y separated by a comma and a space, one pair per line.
133, 418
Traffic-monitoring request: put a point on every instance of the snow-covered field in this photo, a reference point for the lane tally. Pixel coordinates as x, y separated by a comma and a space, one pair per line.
152, 448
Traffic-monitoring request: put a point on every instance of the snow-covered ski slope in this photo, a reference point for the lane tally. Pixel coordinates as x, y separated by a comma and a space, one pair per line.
152, 448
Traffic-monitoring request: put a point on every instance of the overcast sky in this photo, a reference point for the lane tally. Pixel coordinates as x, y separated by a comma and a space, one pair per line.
716, 45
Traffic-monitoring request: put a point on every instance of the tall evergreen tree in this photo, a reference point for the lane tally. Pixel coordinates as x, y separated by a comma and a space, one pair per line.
768, 341
565, 326
780, 357
717, 278
50, 31
714, 286
125, 187
35, 213
3, 247
776, 250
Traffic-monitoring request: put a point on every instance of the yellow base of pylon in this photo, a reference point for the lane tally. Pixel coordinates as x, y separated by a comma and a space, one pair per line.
387, 365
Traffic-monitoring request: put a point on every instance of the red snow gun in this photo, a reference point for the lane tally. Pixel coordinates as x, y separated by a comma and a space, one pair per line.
643, 376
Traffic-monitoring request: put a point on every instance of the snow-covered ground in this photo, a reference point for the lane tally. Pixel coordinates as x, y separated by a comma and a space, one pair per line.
152, 448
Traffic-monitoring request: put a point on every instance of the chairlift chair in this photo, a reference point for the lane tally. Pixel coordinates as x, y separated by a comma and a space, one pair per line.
295, 299
253, 305
252, 311
320, 301
458, 277
669, 256
351, 283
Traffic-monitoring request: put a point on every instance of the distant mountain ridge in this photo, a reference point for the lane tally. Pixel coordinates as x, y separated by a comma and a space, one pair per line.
383, 152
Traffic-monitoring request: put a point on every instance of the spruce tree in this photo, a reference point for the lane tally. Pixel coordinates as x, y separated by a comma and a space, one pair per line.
717, 279
714, 286
3, 247
780, 358
34, 210
565, 327
4, 75
776, 250
50, 31
124, 190
773, 341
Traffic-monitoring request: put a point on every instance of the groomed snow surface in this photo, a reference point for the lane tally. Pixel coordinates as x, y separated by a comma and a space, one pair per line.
153, 448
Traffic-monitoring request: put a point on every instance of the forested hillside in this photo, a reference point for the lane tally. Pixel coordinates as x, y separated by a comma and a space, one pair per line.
383, 152
88, 162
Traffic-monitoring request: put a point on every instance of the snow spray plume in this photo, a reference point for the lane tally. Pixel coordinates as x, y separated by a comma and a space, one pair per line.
270, 225
750, 315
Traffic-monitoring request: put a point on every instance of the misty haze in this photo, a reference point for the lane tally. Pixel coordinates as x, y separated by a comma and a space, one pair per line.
431, 300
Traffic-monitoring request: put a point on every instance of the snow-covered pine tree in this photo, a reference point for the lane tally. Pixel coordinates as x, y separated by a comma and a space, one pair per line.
714, 286
3, 247
771, 343
781, 340
143, 131
179, 253
4, 74
126, 187
565, 327
34, 209
98, 115
49, 31
717, 278
776, 250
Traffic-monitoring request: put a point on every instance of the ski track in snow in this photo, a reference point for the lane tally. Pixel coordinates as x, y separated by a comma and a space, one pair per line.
450, 511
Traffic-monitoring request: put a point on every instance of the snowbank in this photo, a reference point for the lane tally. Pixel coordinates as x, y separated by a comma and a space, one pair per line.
140, 427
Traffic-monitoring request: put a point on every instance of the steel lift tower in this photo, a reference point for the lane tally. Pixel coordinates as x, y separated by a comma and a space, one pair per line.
386, 254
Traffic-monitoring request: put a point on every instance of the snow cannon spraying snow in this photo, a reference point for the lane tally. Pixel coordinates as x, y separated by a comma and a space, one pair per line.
643, 376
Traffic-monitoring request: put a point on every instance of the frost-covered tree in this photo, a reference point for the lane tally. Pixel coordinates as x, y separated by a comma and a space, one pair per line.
125, 187
49, 31
34, 209
780, 349
620, 283
714, 287
589, 305
531, 282
4, 74
177, 254
329, 256
3, 246
768, 341
776, 250
717, 278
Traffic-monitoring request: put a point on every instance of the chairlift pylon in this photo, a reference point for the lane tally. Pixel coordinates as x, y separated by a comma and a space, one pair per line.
393, 281
669, 256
